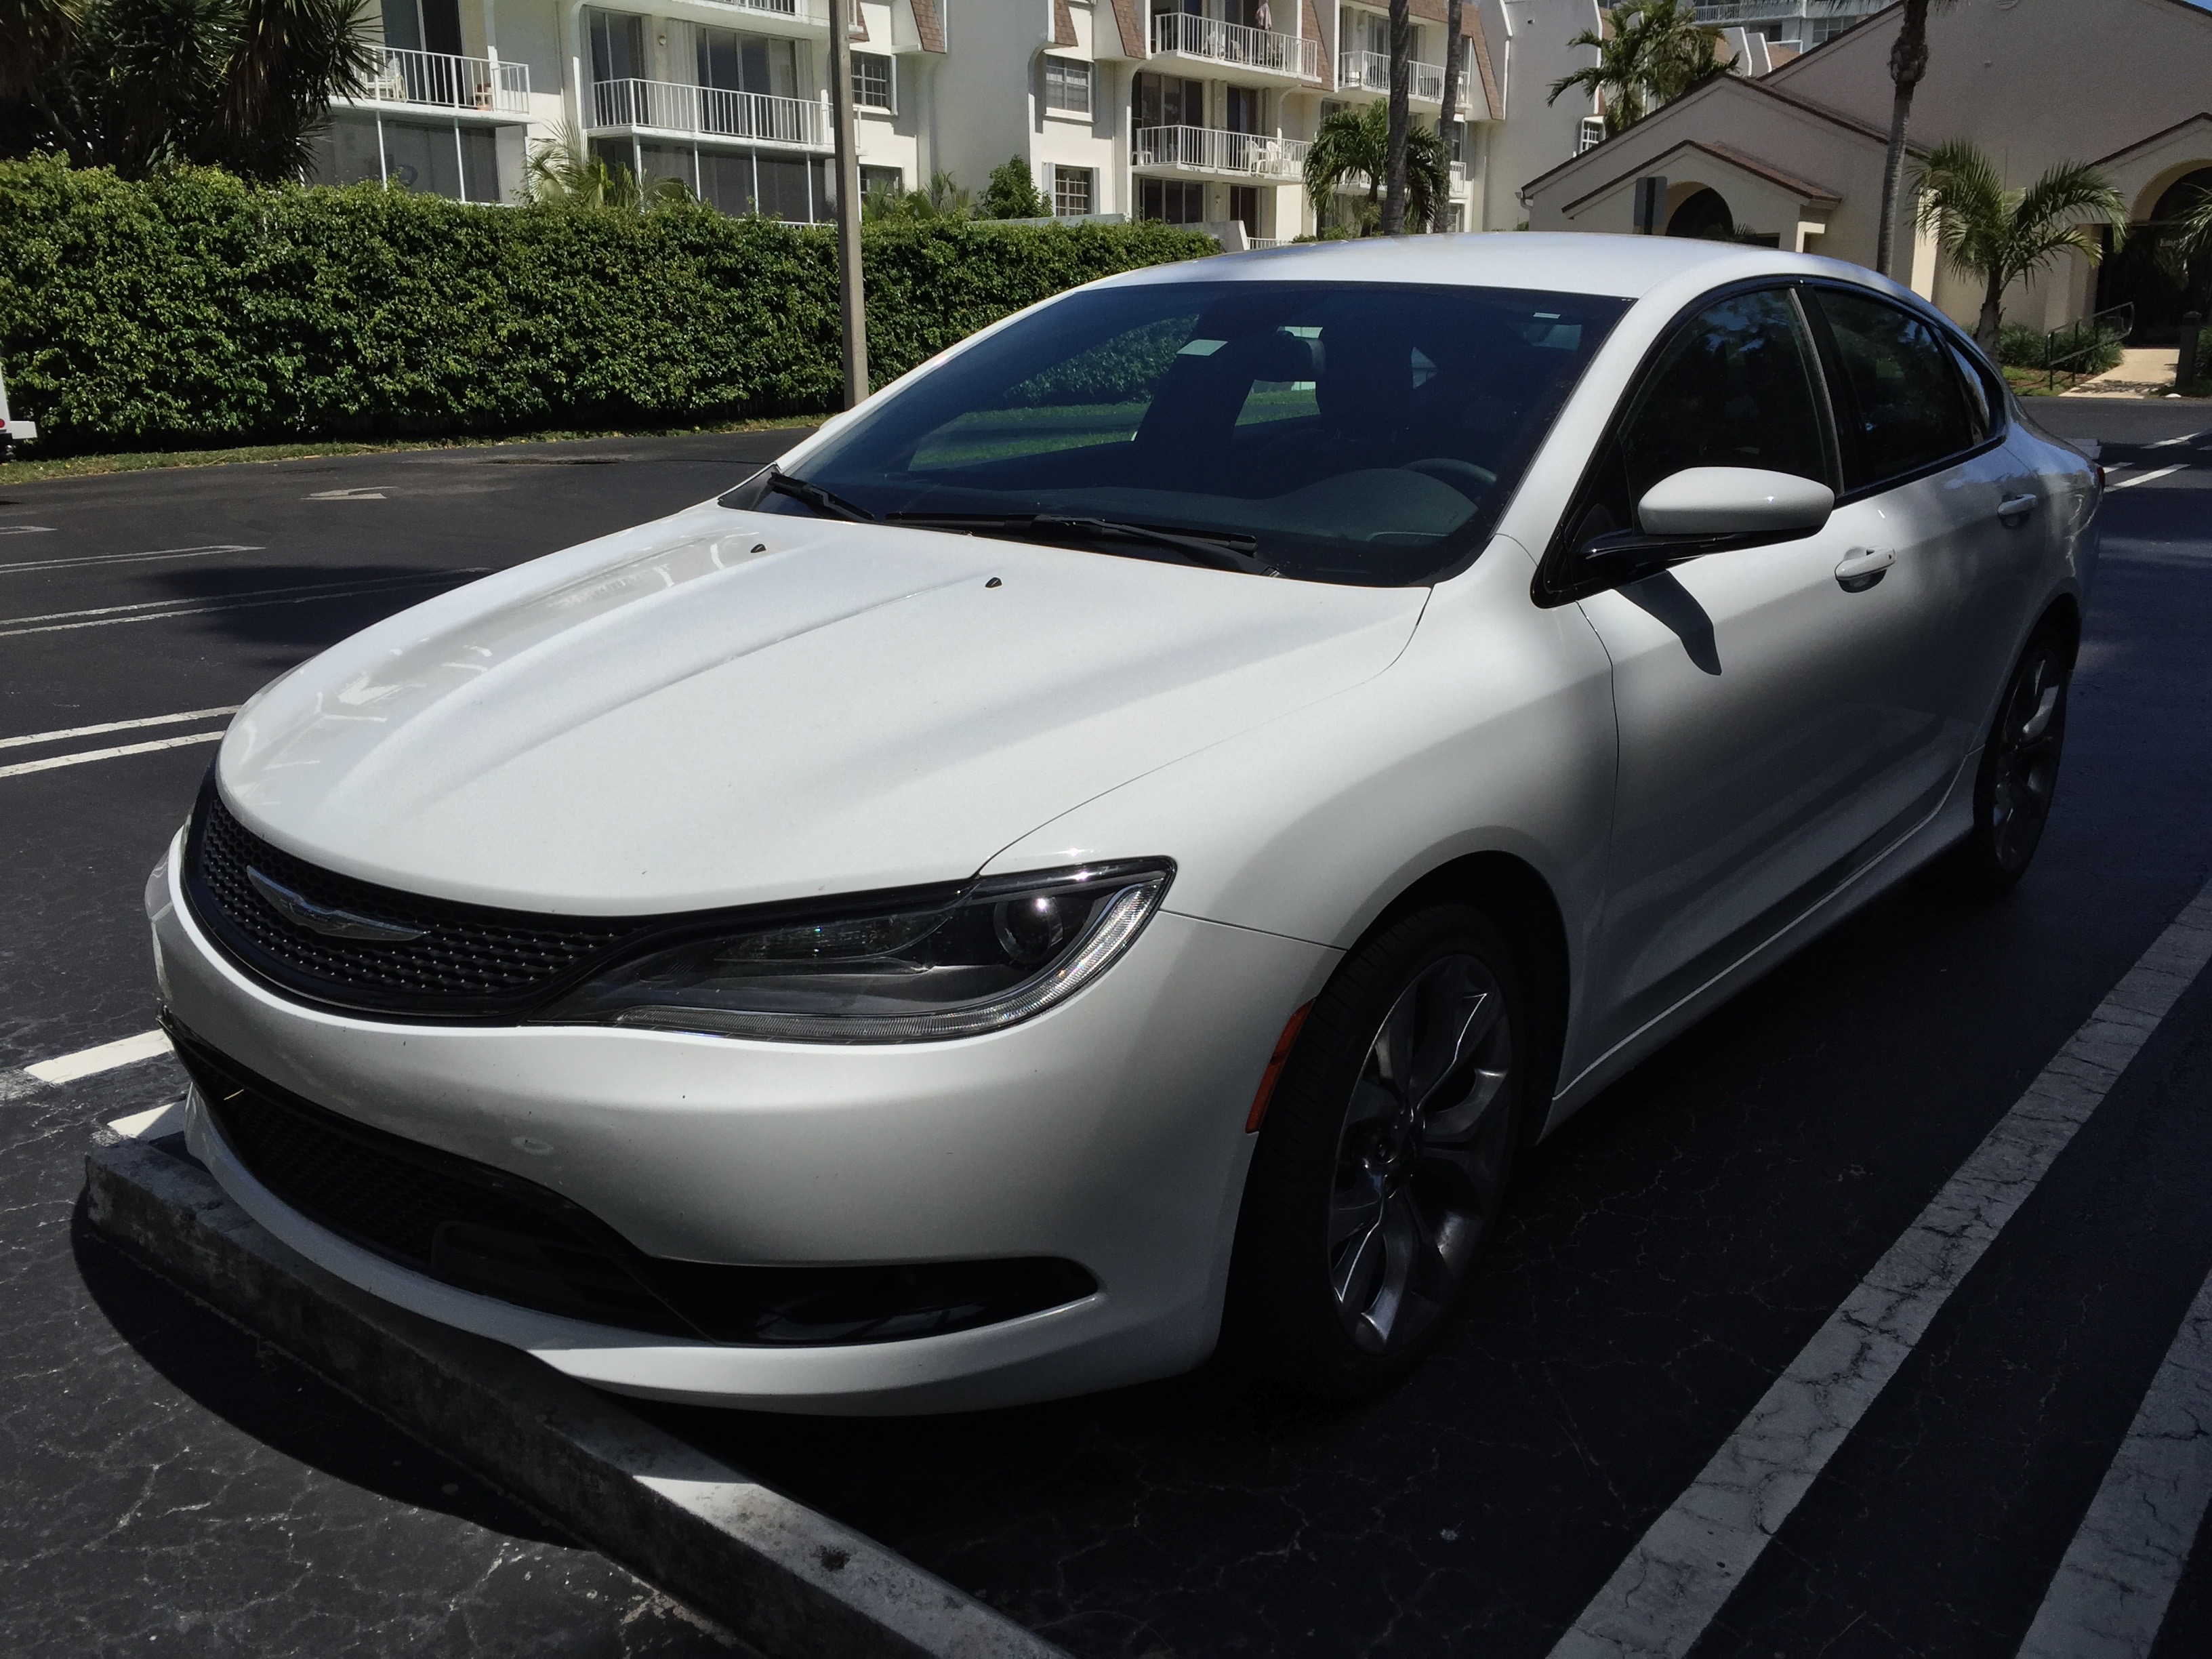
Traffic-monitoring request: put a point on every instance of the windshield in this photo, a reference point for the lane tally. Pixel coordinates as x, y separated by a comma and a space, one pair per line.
1365, 434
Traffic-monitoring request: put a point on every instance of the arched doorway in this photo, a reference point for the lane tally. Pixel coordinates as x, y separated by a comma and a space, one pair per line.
2135, 274
1706, 214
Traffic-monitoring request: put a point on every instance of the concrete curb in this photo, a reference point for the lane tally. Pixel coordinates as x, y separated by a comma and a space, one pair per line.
783, 1579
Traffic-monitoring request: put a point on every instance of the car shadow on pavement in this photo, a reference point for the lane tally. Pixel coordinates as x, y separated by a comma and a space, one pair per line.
263, 1392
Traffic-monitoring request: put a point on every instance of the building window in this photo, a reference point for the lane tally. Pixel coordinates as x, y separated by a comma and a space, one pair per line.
887, 181
1067, 86
731, 62
1071, 193
1167, 100
872, 81
1245, 207
1591, 133
1177, 201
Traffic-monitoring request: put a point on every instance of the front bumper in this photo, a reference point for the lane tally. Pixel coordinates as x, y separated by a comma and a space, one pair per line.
1107, 1130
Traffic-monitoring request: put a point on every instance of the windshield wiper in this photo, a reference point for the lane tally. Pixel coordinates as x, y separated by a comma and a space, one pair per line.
1219, 550
822, 501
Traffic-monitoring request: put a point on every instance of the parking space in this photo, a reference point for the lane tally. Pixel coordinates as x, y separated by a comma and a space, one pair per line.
1666, 1259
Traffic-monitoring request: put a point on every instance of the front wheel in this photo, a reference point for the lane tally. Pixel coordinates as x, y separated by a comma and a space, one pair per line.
1382, 1161
2019, 777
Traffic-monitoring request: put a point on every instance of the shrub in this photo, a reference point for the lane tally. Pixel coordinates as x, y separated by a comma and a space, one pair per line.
2081, 350
194, 309
1011, 193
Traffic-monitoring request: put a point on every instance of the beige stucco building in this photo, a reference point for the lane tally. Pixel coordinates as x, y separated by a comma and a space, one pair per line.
1794, 155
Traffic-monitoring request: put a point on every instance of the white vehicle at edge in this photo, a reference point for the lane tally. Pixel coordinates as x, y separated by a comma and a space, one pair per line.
1111, 847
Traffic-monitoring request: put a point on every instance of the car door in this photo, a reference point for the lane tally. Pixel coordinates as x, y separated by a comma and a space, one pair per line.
1775, 725
1929, 474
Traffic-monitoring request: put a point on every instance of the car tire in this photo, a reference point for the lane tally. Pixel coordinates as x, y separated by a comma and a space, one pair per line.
1382, 1158
2018, 779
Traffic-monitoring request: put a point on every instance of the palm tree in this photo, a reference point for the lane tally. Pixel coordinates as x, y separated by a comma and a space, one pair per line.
1650, 53
562, 172
1400, 117
2000, 235
2186, 238
1352, 146
245, 84
1447, 116
1908, 65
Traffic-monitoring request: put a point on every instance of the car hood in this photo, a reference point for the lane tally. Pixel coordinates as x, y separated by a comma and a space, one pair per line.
727, 707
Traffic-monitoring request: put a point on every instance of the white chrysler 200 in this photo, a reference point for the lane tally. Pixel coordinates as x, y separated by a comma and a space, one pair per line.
1107, 849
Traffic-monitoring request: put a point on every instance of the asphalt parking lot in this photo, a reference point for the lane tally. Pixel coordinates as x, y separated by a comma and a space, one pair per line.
171, 1486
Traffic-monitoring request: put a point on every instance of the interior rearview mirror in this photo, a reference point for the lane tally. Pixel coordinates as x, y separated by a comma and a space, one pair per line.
1734, 501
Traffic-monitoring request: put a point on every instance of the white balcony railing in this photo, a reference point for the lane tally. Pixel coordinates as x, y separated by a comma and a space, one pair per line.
1232, 43
442, 81
1210, 149
707, 112
1370, 71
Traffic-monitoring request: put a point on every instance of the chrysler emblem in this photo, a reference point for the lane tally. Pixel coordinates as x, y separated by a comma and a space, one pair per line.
327, 920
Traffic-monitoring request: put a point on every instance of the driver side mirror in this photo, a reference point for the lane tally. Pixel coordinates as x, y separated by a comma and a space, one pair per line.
1701, 510
1734, 502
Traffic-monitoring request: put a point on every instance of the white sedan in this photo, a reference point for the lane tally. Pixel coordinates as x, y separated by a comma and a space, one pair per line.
1107, 850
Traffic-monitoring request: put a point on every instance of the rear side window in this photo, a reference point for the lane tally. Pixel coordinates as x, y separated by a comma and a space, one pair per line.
1903, 406
1734, 386
1981, 404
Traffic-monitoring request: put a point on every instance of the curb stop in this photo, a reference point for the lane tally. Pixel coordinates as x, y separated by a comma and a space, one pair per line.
781, 1578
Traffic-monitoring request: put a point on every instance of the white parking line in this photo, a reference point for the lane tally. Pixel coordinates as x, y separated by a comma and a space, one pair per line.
2129, 483
152, 1123
26, 530
116, 725
80, 559
2185, 438
2110, 1592
84, 755
126, 1051
1673, 1583
162, 609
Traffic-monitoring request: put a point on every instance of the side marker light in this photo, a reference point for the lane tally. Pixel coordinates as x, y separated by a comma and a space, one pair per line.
1276, 1061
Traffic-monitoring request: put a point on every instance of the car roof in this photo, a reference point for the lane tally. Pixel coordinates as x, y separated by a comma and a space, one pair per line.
1569, 262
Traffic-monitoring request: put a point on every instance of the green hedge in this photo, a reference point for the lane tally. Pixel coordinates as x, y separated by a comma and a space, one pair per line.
194, 309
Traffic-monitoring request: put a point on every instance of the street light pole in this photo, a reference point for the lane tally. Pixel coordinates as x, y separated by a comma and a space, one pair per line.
850, 299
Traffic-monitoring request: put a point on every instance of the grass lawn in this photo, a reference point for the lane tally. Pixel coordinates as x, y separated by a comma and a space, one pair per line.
25, 471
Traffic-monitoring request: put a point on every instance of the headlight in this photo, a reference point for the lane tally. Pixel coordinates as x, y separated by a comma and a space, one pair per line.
947, 966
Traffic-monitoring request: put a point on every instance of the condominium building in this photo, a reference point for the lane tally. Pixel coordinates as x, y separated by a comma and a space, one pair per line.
1800, 25
1193, 111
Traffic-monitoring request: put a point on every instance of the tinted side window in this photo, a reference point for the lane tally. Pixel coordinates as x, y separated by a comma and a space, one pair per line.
1734, 386
1905, 407
1981, 406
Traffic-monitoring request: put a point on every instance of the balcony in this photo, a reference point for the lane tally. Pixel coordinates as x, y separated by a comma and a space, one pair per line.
1210, 153
1261, 53
435, 80
1370, 71
669, 107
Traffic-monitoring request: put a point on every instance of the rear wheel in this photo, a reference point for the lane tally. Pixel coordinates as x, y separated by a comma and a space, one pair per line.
1382, 1162
2019, 777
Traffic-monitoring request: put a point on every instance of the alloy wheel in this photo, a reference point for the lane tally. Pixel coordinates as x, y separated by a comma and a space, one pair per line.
2023, 771
1421, 1157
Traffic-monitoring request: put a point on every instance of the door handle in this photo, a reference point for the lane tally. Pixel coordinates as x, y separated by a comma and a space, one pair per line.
1862, 567
2015, 509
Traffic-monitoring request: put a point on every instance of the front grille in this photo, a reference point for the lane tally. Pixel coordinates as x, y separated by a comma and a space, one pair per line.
468, 961
483, 1229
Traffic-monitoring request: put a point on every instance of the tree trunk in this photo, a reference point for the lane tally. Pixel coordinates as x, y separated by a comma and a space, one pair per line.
1991, 322
1401, 89
1908, 63
1447, 117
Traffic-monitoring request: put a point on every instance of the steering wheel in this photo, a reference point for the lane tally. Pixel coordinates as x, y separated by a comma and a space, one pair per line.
1471, 481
